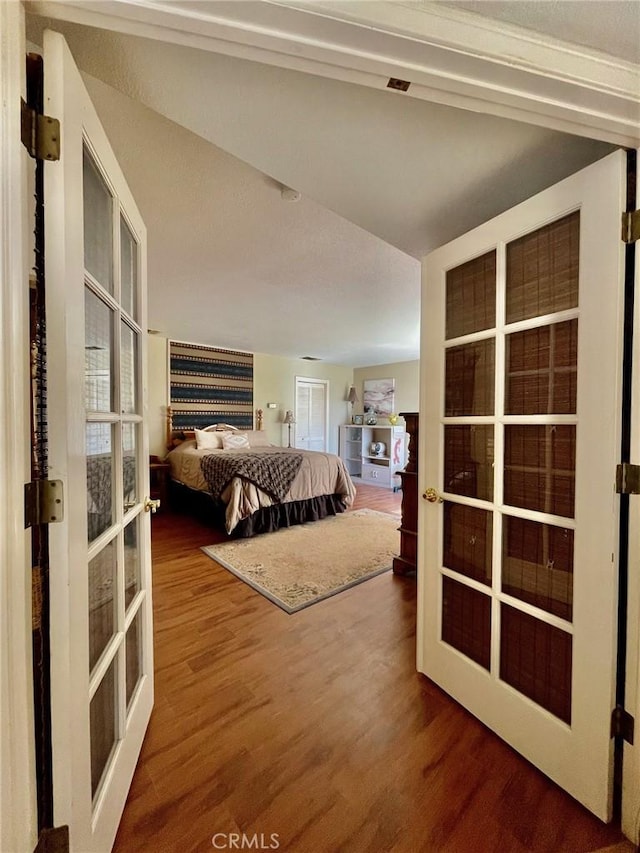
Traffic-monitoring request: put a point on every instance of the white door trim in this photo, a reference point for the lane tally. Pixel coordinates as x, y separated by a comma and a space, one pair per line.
631, 760
18, 813
450, 56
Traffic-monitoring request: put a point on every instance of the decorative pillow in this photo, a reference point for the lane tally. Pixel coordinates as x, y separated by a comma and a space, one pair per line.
257, 438
223, 428
235, 441
208, 439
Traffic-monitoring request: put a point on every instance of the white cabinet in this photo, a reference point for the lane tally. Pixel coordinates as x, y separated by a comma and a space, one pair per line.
373, 454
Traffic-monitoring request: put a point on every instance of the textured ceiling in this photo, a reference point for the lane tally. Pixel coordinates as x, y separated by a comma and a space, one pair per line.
207, 140
610, 26
232, 264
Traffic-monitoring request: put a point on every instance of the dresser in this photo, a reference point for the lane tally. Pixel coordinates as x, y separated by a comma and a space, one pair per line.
406, 562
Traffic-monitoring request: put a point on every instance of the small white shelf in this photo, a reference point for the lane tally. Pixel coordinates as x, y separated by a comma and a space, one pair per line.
355, 441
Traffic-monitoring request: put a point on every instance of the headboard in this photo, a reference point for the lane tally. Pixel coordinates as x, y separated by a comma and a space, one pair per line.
176, 436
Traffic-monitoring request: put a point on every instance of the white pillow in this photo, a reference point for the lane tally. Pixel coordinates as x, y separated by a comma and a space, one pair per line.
208, 440
257, 438
235, 441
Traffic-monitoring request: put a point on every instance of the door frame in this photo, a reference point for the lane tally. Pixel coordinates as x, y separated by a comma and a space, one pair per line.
18, 820
630, 817
18, 812
315, 381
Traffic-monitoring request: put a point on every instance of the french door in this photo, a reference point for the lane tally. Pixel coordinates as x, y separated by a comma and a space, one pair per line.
520, 435
312, 413
101, 631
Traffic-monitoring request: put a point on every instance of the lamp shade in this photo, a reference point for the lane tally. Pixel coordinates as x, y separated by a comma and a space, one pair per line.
352, 397
288, 417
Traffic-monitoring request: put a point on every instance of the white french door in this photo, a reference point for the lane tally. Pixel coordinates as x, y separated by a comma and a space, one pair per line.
520, 430
101, 626
312, 413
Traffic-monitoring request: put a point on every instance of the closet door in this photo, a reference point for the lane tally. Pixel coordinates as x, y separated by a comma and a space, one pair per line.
312, 414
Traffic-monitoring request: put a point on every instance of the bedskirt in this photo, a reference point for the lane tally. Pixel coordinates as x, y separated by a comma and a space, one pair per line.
265, 520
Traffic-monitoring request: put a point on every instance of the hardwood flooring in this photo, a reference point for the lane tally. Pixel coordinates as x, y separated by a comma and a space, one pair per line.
317, 729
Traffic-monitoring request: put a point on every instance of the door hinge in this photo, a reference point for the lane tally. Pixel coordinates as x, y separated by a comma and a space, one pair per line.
43, 502
631, 226
54, 839
628, 479
40, 134
622, 724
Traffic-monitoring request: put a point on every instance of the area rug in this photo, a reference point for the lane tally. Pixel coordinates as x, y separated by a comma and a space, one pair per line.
299, 566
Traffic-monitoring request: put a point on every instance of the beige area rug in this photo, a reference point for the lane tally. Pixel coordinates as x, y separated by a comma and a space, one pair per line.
298, 566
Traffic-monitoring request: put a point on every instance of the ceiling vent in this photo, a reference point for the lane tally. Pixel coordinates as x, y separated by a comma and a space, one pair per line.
310, 358
397, 84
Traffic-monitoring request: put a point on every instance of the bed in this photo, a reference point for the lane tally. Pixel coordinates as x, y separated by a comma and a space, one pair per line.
237, 477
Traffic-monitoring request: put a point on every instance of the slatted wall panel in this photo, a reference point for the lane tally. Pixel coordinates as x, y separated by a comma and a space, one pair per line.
210, 385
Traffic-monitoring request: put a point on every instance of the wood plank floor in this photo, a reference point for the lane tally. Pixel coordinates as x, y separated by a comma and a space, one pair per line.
317, 728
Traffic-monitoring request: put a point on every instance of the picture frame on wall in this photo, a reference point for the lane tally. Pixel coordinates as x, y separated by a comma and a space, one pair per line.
358, 420
379, 396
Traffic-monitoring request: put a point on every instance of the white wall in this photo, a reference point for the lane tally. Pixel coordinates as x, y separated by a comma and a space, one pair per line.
273, 382
407, 377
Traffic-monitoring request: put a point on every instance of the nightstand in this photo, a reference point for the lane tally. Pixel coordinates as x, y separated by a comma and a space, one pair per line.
159, 481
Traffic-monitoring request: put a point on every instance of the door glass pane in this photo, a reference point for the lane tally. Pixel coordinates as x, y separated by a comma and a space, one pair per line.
536, 659
539, 471
537, 564
98, 224
542, 270
542, 370
129, 366
471, 297
99, 450
102, 723
468, 461
131, 562
468, 541
133, 651
469, 379
129, 466
102, 587
128, 270
466, 621
98, 354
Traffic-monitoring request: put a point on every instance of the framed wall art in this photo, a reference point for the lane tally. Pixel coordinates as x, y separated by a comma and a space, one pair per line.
379, 396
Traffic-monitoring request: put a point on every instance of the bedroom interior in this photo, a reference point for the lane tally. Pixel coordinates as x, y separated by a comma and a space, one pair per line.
290, 704
210, 411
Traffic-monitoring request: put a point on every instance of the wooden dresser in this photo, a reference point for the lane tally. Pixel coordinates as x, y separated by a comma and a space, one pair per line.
406, 562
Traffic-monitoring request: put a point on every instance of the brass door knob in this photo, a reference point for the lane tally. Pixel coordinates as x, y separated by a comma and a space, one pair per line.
151, 505
432, 496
